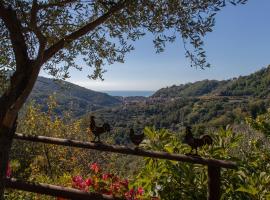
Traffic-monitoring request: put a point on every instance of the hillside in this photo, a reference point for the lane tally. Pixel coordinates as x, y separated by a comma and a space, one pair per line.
203, 103
255, 85
198, 88
207, 102
70, 96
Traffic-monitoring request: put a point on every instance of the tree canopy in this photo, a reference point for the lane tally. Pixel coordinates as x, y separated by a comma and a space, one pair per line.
95, 31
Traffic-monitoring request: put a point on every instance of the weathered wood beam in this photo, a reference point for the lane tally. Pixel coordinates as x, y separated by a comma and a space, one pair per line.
57, 191
127, 150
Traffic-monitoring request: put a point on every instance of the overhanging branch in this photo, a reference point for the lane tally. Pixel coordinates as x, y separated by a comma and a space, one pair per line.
50, 52
58, 4
13, 24
37, 31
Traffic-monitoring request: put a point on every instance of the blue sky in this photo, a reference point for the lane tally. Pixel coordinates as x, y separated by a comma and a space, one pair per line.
239, 45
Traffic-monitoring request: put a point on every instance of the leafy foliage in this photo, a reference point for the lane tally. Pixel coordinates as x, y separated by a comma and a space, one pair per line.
261, 123
46, 25
160, 178
174, 180
54, 164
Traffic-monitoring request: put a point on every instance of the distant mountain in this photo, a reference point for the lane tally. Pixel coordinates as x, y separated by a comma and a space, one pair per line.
255, 85
206, 103
70, 96
198, 88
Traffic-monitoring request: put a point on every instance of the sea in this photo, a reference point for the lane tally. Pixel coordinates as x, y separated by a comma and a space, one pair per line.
130, 93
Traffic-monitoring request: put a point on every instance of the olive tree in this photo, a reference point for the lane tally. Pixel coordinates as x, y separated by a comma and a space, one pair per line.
51, 35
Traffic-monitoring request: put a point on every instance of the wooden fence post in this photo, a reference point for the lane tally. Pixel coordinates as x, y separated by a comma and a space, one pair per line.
213, 182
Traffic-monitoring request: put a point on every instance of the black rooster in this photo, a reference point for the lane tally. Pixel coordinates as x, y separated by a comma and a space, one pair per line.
194, 143
136, 139
98, 130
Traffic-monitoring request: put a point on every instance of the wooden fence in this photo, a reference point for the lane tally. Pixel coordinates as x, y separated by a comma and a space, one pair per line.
213, 165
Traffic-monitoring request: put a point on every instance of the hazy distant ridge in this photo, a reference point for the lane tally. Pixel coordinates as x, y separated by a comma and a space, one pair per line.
70, 96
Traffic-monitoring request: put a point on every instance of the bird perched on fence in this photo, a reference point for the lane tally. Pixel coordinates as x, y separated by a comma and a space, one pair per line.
136, 139
98, 130
194, 143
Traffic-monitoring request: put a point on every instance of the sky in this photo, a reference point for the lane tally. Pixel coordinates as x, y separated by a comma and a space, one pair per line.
238, 45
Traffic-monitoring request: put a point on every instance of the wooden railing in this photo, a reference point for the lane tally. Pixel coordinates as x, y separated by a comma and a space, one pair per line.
56, 191
214, 167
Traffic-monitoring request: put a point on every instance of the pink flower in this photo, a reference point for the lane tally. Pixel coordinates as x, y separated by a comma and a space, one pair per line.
125, 183
79, 183
140, 191
115, 187
95, 167
8, 172
130, 194
106, 176
88, 182
77, 179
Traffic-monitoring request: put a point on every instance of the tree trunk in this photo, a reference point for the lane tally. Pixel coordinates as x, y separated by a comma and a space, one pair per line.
6, 136
21, 84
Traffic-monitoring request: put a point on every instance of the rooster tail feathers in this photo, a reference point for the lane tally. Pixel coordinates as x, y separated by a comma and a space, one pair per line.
207, 139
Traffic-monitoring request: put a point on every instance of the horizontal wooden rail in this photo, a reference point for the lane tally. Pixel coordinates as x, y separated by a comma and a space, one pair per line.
126, 150
56, 191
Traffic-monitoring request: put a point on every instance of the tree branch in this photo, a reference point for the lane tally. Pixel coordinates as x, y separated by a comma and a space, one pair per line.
13, 24
59, 4
50, 52
36, 30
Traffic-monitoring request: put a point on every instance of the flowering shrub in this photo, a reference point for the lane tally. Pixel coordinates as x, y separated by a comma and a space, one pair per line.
107, 183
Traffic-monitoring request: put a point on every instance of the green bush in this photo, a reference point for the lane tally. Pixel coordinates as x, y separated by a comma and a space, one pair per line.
178, 180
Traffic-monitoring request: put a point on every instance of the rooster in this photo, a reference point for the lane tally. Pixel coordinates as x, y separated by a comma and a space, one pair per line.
136, 139
194, 143
98, 130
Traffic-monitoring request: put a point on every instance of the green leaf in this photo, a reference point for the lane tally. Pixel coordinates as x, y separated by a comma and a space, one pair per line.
250, 190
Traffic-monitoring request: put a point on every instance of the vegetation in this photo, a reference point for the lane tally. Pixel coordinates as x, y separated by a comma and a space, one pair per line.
51, 35
261, 123
70, 97
198, 88
107, 183
54, 164
70, 166
62, 165
254, 85
193, 102
199, 104
174, 180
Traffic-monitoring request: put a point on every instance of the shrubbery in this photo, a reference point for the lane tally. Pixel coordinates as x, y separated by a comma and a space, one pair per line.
164, 179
